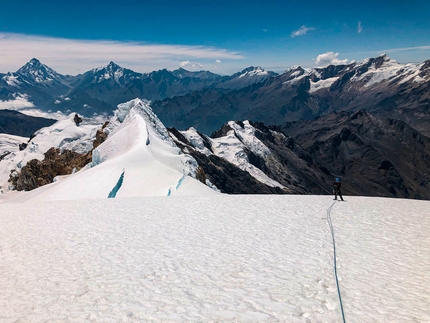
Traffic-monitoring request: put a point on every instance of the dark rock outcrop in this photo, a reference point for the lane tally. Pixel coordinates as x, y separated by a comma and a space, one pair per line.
57, 162
227, 177
37, 173
101, 136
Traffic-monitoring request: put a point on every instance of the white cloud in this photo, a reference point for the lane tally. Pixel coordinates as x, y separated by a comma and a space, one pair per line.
330, 58
303, 30
191, 65
360, 27
75, 56
43, 114
18, 103
418, 48
218, 61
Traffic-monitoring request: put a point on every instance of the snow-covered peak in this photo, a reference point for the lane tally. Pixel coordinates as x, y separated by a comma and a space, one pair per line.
365, 73
294, 68
246, 134
112, 74
36, 72
138, 158
126, 112
373, 71
294, 74
195, 139
253, 71
233, 147
111, 71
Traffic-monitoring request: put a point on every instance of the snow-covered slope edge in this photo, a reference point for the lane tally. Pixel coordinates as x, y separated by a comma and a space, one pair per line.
234, 145
64, 134
137, 159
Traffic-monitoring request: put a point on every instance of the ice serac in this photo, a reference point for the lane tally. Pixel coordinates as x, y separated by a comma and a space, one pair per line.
151, 168
157, 140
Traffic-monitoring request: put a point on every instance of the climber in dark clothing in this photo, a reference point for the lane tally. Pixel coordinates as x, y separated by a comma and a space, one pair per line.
77, 119
336, 189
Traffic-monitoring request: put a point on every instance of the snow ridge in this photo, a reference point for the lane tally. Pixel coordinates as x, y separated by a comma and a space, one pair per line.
153, 166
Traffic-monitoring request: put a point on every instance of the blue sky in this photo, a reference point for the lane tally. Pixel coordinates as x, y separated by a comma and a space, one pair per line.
221, 36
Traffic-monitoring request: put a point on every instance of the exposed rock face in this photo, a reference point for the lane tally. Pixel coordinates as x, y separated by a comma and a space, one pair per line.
101, 136
379, 85
38, 173
57, 162
373, 156
225, 176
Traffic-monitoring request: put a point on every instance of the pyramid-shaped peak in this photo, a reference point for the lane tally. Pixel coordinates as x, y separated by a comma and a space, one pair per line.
294, 68
384, 60
35, 71
113, 65
32, 64
34, 61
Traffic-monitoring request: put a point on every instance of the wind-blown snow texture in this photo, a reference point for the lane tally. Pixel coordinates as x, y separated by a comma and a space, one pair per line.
214, 259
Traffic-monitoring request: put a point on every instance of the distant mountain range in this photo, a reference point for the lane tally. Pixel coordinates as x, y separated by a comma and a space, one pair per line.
100, 90
379, 85
367, 122
206, 101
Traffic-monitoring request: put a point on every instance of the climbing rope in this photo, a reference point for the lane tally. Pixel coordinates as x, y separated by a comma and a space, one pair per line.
334, 257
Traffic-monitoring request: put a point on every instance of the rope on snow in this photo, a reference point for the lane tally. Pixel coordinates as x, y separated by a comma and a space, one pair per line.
334, 257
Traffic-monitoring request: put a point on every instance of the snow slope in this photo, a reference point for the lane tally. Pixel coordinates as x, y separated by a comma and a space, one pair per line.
232, 148
63, 134
10, 143
137, 159
214, 259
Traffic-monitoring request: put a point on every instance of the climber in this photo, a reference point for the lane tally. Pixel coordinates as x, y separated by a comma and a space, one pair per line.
336, 189
77, 119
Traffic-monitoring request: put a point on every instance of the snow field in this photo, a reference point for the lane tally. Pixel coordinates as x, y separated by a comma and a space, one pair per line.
214, 259
385, 260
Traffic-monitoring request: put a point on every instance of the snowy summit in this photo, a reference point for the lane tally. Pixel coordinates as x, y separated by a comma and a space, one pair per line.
137, 159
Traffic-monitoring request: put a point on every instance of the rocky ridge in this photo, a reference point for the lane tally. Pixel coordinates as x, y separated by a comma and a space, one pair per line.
379, 85
56, 162
373, 156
